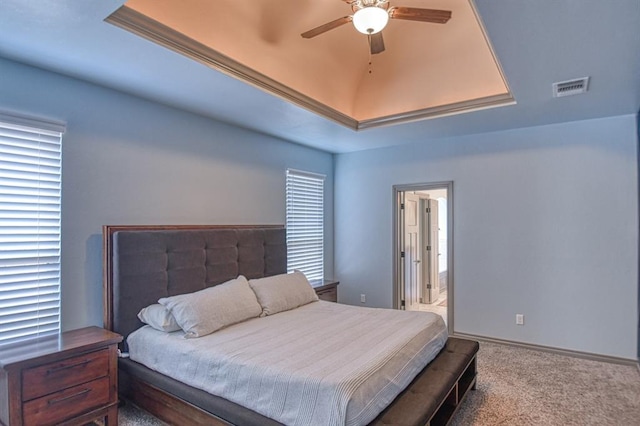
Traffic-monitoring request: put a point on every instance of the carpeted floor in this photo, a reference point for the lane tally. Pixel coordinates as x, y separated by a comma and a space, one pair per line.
128, 415
518, 386
521, 387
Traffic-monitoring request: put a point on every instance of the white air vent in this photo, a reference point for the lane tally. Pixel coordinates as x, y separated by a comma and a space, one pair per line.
570, 87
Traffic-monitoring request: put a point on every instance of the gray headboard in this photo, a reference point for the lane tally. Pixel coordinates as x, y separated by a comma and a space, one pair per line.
145, 263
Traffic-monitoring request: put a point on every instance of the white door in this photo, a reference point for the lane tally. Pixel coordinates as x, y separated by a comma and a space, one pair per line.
412, 252
429, 247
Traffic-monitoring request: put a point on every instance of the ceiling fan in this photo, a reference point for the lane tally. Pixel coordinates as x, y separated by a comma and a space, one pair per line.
371, 16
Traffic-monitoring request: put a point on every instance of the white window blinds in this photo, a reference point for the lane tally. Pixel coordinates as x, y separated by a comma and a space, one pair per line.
30, 170
305, 223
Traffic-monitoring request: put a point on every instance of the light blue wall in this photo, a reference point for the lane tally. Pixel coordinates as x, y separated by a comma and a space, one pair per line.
545, 218
129, 161
545, 223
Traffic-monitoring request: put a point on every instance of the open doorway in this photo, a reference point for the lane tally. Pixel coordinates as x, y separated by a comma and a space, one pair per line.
423, 249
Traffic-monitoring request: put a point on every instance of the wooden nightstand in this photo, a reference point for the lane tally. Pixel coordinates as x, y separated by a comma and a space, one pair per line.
327, 290
67, 379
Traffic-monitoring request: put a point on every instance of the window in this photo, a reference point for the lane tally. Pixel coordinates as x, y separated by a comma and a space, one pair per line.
305, 223
30, 167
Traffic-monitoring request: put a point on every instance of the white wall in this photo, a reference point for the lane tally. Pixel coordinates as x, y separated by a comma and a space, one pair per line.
130, 161
545, 224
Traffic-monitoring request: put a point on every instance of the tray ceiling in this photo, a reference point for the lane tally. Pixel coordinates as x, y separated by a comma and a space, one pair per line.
427, 70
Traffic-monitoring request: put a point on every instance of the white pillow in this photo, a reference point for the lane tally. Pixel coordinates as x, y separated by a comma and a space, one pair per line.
283, 292
158, 317
213, 308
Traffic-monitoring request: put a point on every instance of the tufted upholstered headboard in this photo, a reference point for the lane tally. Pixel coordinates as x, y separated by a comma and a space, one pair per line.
144, 263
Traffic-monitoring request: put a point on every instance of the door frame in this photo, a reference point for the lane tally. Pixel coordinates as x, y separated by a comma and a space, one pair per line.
398, 279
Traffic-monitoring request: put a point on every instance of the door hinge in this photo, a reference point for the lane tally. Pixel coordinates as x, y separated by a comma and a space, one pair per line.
401, 206
401, 254
428, 248
428, 286
428, 209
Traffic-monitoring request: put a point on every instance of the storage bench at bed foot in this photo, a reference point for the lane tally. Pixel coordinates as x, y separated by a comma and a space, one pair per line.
435, 394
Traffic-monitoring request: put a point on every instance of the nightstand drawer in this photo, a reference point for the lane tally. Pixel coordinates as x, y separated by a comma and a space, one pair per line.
327, 290
50, 409
330, 295
60, 375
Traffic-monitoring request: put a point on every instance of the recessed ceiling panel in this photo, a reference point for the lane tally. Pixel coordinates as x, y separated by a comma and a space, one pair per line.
426, 69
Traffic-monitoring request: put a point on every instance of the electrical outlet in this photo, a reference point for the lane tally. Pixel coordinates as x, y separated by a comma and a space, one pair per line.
519, 319
363, 298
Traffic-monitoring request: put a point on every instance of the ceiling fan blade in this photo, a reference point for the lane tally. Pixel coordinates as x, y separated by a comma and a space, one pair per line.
326, 27
376, 43
423, 15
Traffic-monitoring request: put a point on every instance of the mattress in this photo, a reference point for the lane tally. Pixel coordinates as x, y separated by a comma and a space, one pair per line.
320, 364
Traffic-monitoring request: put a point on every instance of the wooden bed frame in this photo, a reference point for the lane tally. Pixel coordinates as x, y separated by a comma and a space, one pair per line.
431, 399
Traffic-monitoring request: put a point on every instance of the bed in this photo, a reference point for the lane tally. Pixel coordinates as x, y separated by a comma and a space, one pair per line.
146, 263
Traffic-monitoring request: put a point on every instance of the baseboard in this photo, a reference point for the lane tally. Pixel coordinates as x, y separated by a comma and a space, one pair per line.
575, 354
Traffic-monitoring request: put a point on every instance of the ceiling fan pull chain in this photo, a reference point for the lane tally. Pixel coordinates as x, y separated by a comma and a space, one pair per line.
369, 40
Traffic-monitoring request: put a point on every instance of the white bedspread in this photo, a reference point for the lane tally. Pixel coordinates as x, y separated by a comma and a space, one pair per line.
321, 364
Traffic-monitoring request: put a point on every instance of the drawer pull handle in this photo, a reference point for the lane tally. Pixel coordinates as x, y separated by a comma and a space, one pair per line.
67, 367
66, 398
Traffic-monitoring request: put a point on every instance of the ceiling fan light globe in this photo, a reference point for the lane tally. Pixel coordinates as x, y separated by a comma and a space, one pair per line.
370, 19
